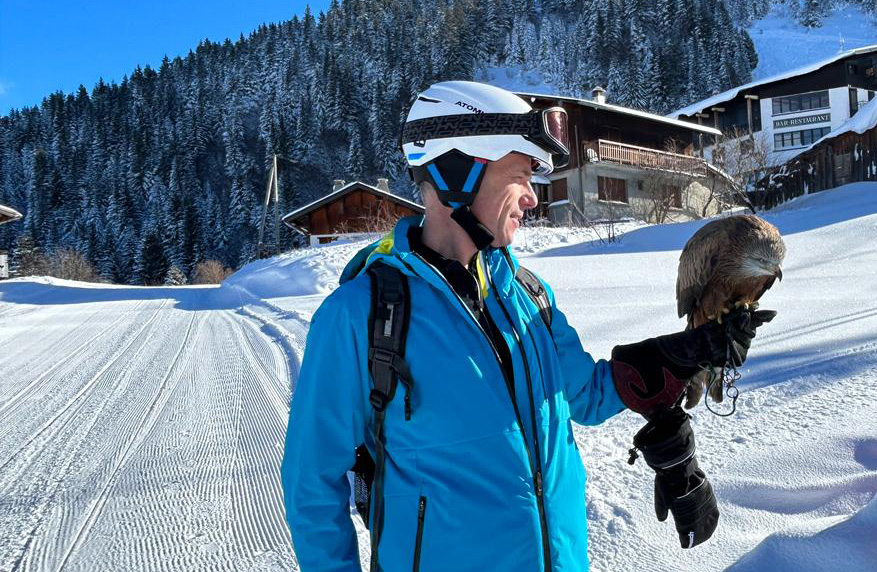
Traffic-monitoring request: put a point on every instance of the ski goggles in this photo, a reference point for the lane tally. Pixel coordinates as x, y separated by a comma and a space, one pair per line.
547, 128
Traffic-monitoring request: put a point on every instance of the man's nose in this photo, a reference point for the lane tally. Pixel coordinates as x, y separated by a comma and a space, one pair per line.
529, 199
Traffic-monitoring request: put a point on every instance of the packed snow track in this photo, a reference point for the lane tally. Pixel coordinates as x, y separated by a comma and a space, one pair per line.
140, 430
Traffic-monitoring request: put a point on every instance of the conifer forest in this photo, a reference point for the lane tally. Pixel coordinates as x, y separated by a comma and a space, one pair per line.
168, 167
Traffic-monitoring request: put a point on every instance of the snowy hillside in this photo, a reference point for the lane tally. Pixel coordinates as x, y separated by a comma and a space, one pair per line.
846, 28
141, 429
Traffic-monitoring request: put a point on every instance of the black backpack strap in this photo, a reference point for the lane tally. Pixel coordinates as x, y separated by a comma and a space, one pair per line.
388, 323
363, 476
537, 292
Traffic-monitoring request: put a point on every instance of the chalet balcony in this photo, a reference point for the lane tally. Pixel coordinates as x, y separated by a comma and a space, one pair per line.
645, 158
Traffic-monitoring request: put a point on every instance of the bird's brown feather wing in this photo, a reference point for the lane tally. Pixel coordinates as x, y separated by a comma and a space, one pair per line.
697, 264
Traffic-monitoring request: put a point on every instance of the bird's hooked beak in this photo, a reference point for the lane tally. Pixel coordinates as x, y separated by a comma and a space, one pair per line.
779, 274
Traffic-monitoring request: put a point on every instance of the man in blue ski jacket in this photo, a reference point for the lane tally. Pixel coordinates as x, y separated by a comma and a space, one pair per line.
480, 469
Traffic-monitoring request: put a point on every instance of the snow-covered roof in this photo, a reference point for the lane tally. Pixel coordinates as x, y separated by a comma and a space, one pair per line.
699, 106
627, 111
864, 120
288, 218
8, 214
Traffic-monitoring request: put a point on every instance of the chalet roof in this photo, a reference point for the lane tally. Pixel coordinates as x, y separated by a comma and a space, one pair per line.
699, 106
627, 111
8, 214
349, 187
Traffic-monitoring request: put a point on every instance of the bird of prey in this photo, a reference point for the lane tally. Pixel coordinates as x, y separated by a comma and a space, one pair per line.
728, 263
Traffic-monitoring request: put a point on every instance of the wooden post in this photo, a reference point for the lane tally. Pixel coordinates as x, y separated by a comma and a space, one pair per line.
716, 111
276, 207
749, 99
700, 117
265, 206
580, 166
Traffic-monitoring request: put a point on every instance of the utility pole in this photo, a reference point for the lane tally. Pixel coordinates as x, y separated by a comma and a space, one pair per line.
273, 188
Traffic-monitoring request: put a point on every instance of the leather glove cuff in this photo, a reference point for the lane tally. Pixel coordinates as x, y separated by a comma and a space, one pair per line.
667, 442
651, 375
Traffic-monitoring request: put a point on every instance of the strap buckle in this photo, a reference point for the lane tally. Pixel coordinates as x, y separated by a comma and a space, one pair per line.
379, 400
383, 356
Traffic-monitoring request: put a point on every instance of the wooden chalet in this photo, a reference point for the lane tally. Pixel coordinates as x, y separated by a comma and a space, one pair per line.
7, 214
846, 155
350, 209
615, 152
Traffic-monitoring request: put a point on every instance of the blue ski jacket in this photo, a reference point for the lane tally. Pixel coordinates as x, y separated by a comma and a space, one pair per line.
468, 484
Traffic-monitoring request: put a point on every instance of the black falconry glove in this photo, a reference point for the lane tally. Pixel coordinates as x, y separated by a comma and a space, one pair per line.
651, 375
667, 445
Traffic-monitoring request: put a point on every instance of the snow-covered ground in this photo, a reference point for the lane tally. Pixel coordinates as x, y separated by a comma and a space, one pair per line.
783, 44
141, 429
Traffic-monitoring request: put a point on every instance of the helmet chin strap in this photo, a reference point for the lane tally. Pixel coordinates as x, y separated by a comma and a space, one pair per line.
457, 178
479, 234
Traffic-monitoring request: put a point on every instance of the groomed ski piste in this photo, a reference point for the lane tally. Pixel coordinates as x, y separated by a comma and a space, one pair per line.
141, 429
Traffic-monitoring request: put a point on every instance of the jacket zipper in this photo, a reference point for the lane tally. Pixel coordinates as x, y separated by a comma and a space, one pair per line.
421, 513
492, 348
535, 468
537, 478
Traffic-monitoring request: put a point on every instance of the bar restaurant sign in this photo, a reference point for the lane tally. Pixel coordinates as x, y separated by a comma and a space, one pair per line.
796, 121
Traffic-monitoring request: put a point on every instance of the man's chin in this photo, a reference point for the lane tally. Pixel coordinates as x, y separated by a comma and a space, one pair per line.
503, 239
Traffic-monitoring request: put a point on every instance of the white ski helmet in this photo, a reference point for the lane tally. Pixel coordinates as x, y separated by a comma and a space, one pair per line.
455, 127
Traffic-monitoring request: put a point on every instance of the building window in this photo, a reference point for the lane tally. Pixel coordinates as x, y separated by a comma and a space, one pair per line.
800, 102
673, 195
609, 189
558, 190
803, 138
842, 166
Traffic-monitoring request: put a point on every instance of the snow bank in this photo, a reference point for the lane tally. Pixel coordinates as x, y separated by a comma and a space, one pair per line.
831, 206
845, 544
313, 270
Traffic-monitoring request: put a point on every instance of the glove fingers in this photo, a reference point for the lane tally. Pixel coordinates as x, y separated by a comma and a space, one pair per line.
760, 317
696, 514
716, 391
738, 353
661, 508
693, 391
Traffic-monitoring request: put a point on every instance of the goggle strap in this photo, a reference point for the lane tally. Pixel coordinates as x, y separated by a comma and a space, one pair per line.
472, 124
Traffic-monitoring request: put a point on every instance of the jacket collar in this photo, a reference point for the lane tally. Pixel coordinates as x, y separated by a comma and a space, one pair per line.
496, 264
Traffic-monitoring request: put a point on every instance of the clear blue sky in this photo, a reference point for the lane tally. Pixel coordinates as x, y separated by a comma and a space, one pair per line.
51, 45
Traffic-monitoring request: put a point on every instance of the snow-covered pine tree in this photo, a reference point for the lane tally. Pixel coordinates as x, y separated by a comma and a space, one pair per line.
305, 88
